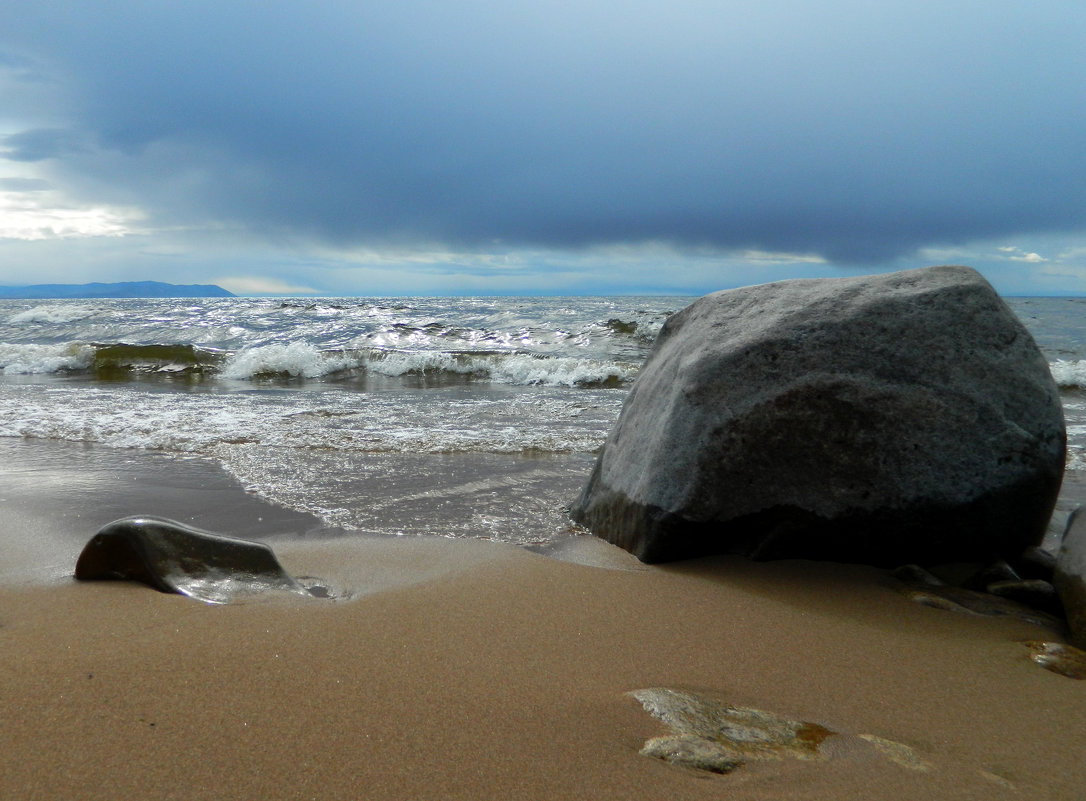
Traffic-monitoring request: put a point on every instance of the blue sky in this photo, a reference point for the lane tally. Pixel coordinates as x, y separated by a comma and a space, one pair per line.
443, 147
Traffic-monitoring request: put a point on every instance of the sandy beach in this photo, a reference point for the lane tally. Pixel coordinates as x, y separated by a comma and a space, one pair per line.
476, 670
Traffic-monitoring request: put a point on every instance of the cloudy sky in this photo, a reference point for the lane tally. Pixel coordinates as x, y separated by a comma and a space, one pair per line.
478, 147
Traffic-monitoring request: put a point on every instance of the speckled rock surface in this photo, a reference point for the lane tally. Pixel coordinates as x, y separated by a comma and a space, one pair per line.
907, 417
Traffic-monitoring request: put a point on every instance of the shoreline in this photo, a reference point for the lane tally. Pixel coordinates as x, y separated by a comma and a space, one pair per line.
476, 670
56, 495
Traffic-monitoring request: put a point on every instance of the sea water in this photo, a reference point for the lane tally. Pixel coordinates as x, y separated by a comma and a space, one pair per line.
442, 416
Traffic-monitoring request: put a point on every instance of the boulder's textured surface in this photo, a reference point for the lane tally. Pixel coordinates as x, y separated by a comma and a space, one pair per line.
1070, 577
907, 417
173, 557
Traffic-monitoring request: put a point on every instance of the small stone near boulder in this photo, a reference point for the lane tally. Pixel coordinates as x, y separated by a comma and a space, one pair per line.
1036, 563
887, 419
1034, 593
175, 558
998, 571
1070, 577
1066, 660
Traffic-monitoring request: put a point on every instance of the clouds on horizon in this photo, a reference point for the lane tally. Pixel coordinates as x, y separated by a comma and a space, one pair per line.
848, 132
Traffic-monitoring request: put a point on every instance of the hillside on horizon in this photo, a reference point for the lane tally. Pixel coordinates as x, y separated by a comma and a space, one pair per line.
119, 289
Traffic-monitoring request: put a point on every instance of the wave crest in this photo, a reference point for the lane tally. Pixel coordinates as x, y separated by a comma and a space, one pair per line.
1069, 374
296, 360
52, 314
43, 359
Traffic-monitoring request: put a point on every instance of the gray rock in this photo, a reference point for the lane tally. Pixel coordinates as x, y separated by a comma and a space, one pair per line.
1034, 593
888, 419
175, 558
1070, 577
916, 576
959, 599
998, 570
1036, 563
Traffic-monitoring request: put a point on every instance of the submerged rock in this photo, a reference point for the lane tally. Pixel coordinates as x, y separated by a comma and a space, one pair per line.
888, 419
176, 558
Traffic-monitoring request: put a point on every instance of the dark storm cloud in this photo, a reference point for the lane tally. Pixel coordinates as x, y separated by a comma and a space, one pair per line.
856, 130
39, 144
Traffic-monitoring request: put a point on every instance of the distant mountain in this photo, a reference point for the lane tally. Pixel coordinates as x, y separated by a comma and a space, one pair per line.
121, 289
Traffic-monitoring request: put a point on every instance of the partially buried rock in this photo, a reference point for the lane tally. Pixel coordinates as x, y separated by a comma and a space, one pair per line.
1066, 660
1034, 593
907, 417
708, 734
175, 558
1070, 577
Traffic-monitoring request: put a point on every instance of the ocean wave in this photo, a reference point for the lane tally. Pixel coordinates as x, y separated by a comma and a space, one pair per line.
296, 360
53, 314
306, 362
1069, 374
43, 359
210, 424
169, 359
521, 369
108, 362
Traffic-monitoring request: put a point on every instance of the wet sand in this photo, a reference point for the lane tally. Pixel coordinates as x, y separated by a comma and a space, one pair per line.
473, 670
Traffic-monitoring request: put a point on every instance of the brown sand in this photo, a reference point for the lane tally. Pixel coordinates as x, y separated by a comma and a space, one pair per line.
475, 671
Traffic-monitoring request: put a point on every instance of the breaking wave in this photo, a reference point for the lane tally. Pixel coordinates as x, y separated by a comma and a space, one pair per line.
1069, 374
303, 361
52, 314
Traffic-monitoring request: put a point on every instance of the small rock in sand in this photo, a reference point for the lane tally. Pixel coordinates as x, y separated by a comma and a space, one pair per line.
175, 558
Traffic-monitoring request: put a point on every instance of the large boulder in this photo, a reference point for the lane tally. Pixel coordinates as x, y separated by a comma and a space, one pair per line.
907, 417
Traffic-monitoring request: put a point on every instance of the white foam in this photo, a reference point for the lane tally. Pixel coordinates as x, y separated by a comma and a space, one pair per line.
400, 363
53, 314
519, 369
125, 416
1069, 374
37, 359
298, 359
561, 372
